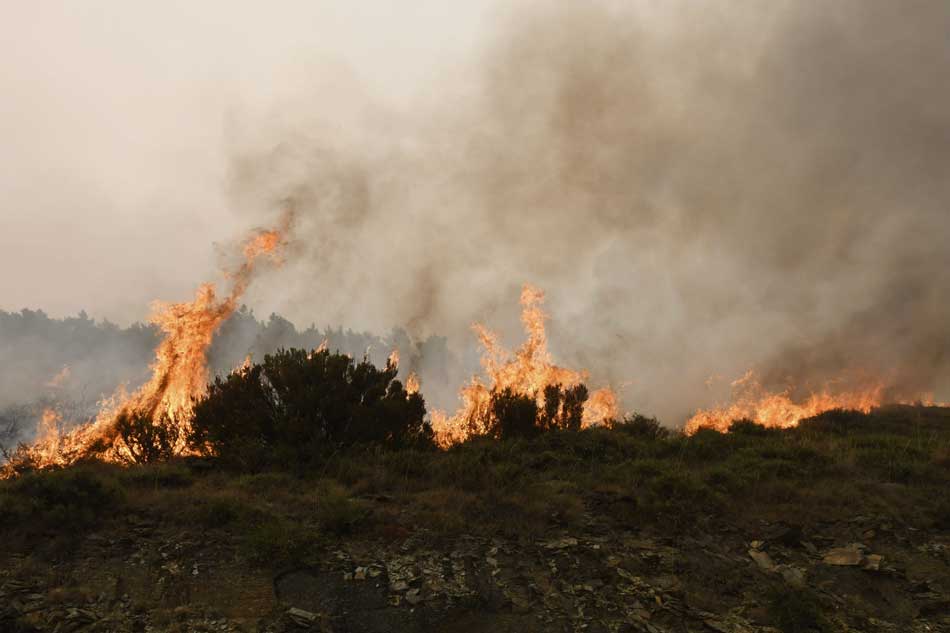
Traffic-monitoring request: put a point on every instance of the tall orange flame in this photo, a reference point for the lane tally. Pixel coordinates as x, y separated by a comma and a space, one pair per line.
179, 372
527, 372
412, 383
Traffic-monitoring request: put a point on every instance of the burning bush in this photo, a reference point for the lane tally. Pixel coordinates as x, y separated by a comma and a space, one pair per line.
499, 406
296, 405
512, 414
147, 440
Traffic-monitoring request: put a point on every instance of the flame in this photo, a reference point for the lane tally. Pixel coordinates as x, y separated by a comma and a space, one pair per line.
244, 366
393, 360
412, 384
179, 371
48, 434
751, 401
527, 372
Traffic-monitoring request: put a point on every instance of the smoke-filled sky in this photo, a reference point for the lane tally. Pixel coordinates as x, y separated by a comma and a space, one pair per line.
700, 186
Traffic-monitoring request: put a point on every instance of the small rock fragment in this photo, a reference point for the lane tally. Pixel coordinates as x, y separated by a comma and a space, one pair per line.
762, 559
793, 576
302, 617
843, 556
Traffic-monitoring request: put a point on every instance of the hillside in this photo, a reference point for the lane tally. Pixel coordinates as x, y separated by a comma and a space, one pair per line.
841, 524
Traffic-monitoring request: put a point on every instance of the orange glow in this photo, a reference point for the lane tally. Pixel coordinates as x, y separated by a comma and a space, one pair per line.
526, 372
179, 371
751, 401
412, 384
248, 361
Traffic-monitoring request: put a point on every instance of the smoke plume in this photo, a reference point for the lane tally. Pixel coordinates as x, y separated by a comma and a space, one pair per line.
700, 190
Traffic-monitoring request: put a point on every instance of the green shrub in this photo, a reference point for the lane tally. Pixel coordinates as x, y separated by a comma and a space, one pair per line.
64, 500
337, 513
162, 475
221, 511
727, 479
268, 482
750, 428
642, 426
296, 406
275, 541
679, 495
836, 422
894, 459
709, 444
512, 415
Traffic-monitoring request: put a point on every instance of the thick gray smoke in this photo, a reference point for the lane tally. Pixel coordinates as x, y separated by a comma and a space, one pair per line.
700, 189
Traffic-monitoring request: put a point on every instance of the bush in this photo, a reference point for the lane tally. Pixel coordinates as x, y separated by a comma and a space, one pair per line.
642, 426
836, 422
60, 499
219, 511
750, 428
295, 406
147, 440
275, 541
510, 414
164, 475
337, 513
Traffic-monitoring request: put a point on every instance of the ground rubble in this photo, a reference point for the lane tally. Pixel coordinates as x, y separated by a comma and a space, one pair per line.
867, 575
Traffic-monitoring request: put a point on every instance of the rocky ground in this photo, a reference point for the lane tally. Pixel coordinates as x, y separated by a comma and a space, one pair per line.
730, 570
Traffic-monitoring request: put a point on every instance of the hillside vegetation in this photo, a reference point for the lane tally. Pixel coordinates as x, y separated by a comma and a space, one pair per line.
292, 520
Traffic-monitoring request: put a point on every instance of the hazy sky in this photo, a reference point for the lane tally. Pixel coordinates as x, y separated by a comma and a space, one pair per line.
701, 186
114, 117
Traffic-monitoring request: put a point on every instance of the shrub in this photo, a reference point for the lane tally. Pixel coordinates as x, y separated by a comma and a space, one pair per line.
275, 541
642, 426
510, 414
61, 499
750, 428
297, 405
679, 495
163, 475
147, 440
836, 422
266, 483
709, 444
220, 511
563, 407
337, 513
